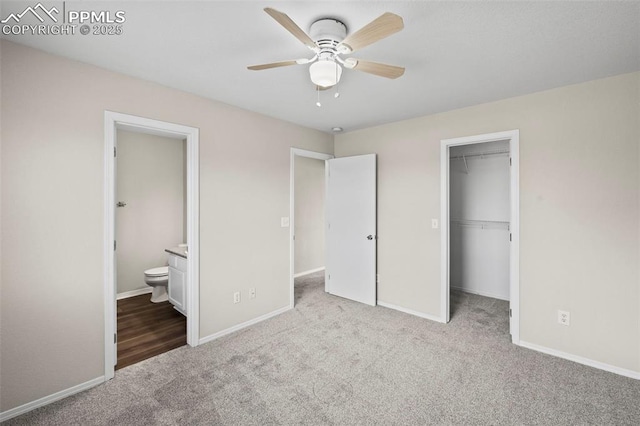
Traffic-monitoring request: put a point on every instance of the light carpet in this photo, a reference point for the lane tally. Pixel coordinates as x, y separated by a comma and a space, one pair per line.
333, 361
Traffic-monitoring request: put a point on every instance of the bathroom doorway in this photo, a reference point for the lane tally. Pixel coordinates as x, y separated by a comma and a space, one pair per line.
150, 218
123, 125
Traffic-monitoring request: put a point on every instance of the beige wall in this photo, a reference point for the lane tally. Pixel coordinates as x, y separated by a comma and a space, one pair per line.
151, 181
579, 201
52, 168
309, 213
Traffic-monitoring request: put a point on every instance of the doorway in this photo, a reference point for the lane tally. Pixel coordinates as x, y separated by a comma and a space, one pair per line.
350, 226
129, 123
307, 212
499, 217
150, 218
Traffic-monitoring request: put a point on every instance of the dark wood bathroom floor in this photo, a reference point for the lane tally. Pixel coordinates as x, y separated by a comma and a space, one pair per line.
147, 329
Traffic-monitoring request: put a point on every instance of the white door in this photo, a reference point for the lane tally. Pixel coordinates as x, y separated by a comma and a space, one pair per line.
351, 228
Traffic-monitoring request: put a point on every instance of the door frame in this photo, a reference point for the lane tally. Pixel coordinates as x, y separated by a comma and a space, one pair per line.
292, 205
114, 121
513, 136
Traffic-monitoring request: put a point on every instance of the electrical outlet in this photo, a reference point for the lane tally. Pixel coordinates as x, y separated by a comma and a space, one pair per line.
236, 297
434, 223
252, 293
284, 222
564, 317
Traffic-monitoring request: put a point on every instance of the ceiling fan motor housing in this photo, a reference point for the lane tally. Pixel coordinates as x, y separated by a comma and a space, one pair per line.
328, 32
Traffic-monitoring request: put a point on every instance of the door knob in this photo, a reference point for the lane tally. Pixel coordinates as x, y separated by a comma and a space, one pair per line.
369, 237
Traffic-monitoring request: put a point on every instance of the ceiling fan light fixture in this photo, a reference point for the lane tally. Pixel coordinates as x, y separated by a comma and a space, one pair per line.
325, 73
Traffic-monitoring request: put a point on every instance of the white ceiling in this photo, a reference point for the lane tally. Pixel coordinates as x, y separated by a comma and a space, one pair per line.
456, 54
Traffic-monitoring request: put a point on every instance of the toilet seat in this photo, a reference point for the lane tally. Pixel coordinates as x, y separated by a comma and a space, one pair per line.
157, 272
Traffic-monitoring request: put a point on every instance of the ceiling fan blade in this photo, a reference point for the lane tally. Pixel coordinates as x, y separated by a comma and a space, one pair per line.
381, 27
382, 70
302, 61
272, 65
291, 26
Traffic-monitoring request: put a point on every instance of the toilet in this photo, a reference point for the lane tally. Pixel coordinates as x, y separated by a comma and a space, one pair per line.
158, 278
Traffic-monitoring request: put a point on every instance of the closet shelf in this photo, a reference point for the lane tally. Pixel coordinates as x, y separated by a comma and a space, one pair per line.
483, 224
479, 154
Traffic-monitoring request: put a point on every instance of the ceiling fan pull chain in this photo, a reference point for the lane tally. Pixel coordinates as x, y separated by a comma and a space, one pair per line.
318, 104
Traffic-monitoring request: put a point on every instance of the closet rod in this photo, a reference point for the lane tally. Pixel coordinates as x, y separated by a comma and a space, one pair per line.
479, 220
479, 154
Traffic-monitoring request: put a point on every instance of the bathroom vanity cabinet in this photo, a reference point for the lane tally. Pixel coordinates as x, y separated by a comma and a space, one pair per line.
178, 282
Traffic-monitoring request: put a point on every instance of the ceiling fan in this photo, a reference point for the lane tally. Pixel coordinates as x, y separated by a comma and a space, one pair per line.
328, 40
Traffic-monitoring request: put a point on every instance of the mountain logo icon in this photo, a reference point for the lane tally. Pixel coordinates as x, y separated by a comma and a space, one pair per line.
34, 11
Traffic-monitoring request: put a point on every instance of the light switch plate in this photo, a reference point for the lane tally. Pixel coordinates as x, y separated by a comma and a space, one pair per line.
434, 223
284, 222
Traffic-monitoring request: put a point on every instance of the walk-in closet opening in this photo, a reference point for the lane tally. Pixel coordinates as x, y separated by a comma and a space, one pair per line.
480, 229
479, 219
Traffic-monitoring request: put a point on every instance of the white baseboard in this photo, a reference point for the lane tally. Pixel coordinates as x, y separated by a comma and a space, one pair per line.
411, 312
310, 271
581, 360
134, 293
480, 293
246, 324
14, 412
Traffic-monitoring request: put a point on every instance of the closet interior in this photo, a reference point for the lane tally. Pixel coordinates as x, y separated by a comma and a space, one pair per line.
479, 218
